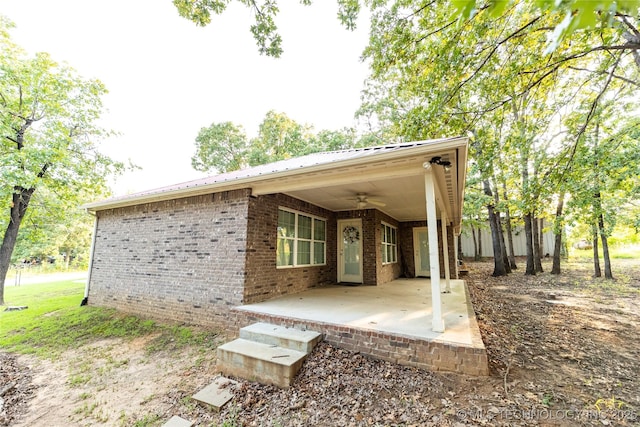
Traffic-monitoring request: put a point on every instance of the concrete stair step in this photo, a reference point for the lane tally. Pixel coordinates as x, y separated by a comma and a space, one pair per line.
177, 421
256, 361
216, 394
281, 336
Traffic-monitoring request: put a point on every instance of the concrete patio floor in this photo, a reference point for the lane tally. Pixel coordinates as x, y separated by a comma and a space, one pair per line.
401, 307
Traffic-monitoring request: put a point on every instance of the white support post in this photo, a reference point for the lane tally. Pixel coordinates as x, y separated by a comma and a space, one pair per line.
445, 253
455, 250
432, 229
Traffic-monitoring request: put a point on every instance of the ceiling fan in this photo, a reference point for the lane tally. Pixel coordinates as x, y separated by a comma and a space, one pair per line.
362, 200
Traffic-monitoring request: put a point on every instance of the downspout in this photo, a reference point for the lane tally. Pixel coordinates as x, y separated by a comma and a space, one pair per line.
85, 300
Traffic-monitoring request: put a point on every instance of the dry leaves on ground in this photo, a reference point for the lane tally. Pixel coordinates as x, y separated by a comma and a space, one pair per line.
562, 351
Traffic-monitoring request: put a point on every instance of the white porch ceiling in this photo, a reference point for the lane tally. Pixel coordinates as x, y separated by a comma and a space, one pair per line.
398, 183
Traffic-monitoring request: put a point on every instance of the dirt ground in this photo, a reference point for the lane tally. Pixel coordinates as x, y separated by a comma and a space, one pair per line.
563, 350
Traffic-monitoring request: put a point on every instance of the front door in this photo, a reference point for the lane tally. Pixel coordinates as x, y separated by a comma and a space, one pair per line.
421, 252
350, 251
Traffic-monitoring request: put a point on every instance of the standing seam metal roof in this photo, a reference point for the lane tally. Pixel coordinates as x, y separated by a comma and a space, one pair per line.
264, 171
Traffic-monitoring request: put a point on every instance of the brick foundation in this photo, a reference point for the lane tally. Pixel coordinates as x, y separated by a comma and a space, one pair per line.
409, 351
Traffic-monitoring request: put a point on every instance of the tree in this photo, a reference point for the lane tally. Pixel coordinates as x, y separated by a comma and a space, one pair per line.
569, 16
48, 128
55, 228
279, 138
224, 147
264, 28
221, 147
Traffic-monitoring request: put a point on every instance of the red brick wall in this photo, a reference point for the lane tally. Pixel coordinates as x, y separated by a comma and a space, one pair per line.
263, 280
386, 272
406, 244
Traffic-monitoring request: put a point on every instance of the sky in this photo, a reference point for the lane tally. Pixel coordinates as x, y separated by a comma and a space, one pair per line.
168, 78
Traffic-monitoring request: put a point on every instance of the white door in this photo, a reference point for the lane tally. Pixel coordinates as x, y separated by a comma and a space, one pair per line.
421, 252
350, 251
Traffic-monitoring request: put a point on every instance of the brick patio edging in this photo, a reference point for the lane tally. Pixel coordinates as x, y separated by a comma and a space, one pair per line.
433, 355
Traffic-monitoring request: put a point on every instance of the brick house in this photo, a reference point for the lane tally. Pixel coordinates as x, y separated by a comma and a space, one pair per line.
193, 251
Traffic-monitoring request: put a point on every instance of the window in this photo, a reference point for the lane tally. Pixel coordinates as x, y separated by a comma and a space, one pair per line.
301, 239
389, 244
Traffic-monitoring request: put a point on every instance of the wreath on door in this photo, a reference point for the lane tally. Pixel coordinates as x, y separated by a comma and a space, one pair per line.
351, 234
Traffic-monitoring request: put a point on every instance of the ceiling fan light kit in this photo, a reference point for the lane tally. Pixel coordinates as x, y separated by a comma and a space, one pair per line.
362, 200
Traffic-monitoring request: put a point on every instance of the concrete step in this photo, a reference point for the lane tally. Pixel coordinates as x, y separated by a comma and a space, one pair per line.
177, 421
256, 361
216, 394
281, 336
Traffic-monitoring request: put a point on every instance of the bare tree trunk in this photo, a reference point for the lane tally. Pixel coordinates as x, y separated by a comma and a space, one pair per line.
19, 204
503, 247
557, 229
608, 274
498, 258
479, 230
541, 234
536, 246
507, 222
476, 255
528, 232
596, 258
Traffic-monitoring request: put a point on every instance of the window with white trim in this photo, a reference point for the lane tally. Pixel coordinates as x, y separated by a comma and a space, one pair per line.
389, 243
302, 239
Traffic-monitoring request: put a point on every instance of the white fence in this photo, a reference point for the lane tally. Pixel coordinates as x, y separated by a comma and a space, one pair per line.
519, 245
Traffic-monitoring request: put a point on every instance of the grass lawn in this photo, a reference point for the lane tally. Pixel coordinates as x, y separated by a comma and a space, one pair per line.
631, 252
55, 322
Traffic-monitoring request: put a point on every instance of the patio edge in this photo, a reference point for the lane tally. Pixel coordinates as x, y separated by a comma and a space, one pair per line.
422, 353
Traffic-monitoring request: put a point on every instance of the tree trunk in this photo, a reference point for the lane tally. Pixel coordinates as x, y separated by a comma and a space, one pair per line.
479, 230
543, 254
503, 246
557, 247
536, 246
498, 259
476, 254
509, 229
605, 249
19, 204
528, 232
596, 258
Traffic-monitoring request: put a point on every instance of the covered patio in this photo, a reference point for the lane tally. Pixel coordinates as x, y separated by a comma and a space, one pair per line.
390, 321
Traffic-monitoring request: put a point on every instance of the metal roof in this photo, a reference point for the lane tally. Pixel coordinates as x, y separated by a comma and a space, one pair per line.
244, 178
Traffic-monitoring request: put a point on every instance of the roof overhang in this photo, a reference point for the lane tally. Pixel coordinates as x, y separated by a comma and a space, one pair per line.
394, 177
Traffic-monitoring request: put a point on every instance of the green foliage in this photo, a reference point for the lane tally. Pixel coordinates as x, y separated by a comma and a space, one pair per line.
571, 15
264, 28
49, 142
55, 228
221, 147
280, 138
224, 147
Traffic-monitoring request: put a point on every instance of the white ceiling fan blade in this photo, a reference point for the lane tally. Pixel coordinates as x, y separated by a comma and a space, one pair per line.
376, 202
